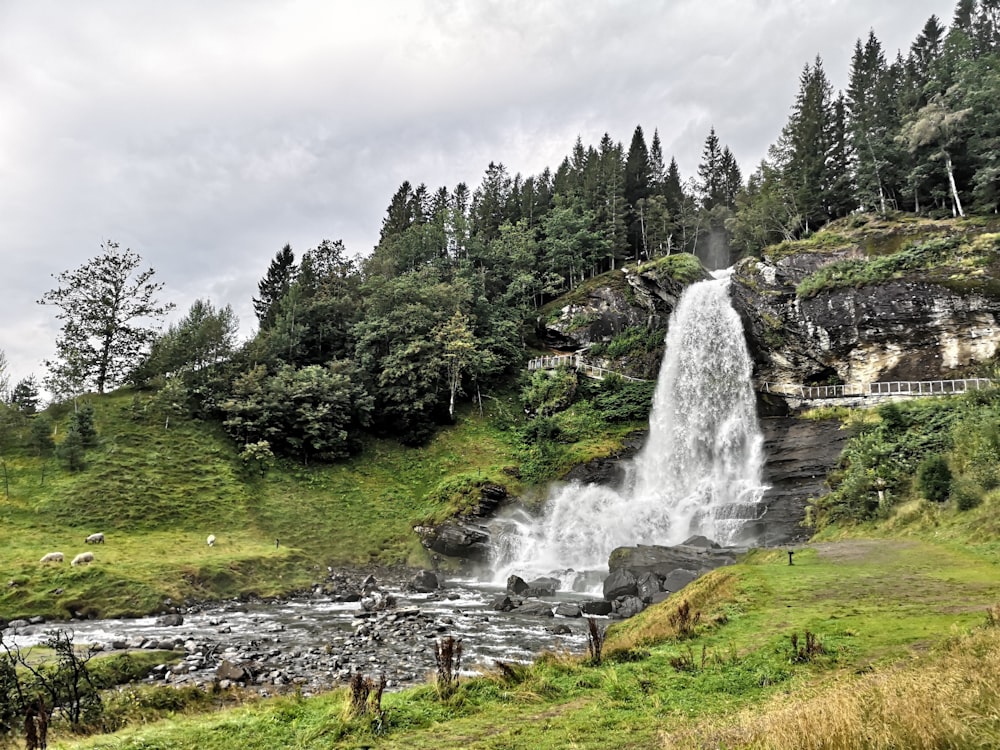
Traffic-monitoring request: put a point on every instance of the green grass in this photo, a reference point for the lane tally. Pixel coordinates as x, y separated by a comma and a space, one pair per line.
157, 493
870, 602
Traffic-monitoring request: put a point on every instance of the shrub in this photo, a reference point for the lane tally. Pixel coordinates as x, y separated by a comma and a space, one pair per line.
967, 494
934, 478
549, 391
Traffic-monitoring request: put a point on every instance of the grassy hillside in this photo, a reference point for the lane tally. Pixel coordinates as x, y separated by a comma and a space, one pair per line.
157, 492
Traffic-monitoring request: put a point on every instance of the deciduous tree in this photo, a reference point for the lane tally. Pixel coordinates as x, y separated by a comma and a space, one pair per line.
109, 311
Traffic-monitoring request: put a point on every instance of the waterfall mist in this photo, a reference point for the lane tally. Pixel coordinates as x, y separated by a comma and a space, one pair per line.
699, 472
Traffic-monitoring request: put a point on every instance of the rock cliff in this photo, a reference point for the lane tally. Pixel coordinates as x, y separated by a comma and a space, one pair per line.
926, 312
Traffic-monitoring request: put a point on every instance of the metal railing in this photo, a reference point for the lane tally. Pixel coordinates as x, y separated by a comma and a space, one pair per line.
576, 362
863, 390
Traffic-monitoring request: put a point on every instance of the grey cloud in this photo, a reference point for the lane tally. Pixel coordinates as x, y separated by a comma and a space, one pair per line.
205, 136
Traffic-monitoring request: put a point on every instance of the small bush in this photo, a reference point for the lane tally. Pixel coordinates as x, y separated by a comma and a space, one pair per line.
934, 478
966, 494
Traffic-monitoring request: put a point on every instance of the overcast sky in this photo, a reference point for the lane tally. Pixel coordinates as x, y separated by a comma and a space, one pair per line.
206, 135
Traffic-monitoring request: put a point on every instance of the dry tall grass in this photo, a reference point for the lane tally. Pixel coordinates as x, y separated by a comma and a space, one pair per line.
946, 699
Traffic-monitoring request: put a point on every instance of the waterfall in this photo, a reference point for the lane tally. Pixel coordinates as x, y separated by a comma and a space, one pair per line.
699, 472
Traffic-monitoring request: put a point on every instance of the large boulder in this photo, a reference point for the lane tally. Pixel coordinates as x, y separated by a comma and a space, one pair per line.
628, 606
621, 582
543, 586
661, 560
598, 607
677, 579
516, 585
464, 539
647, 585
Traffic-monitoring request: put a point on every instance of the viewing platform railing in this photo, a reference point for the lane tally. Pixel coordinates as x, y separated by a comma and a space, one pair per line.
863, 390
805, 392
576, 362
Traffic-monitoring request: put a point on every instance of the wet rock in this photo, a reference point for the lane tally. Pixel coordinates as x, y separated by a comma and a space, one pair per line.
700, 541
662, 560
567, 609
464, 539
596, 607
560, 629
171, 620
503, 603
537, 609
425, 582
516, 585
544, 586
17, 625
36, 620
621, 582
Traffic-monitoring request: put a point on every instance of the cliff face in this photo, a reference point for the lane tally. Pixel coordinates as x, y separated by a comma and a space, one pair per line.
915, 326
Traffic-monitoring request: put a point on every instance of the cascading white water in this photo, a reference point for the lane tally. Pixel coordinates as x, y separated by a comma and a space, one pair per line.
699, 473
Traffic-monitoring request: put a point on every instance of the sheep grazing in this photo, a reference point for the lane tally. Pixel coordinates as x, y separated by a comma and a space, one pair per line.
95, 539
211, 540
52, 557
83, 558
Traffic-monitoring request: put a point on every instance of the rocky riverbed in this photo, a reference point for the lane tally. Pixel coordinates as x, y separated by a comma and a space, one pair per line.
317, 641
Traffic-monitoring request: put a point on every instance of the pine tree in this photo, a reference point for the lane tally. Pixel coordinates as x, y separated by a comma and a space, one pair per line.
274, 286
806, 146
710, 177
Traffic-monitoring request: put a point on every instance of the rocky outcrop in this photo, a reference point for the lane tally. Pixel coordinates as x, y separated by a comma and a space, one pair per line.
605, 306
899, 329
598, 314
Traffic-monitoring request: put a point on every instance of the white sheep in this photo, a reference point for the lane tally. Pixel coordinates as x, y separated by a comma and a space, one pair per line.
95, 539
211, 540
83, 557
52, 557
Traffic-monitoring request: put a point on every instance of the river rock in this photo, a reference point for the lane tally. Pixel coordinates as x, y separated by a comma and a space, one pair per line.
539, 609
424, 582
503, 603
516, 585
598, 607
172, 620
544, 586
568, 609
227, 670
621, 582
